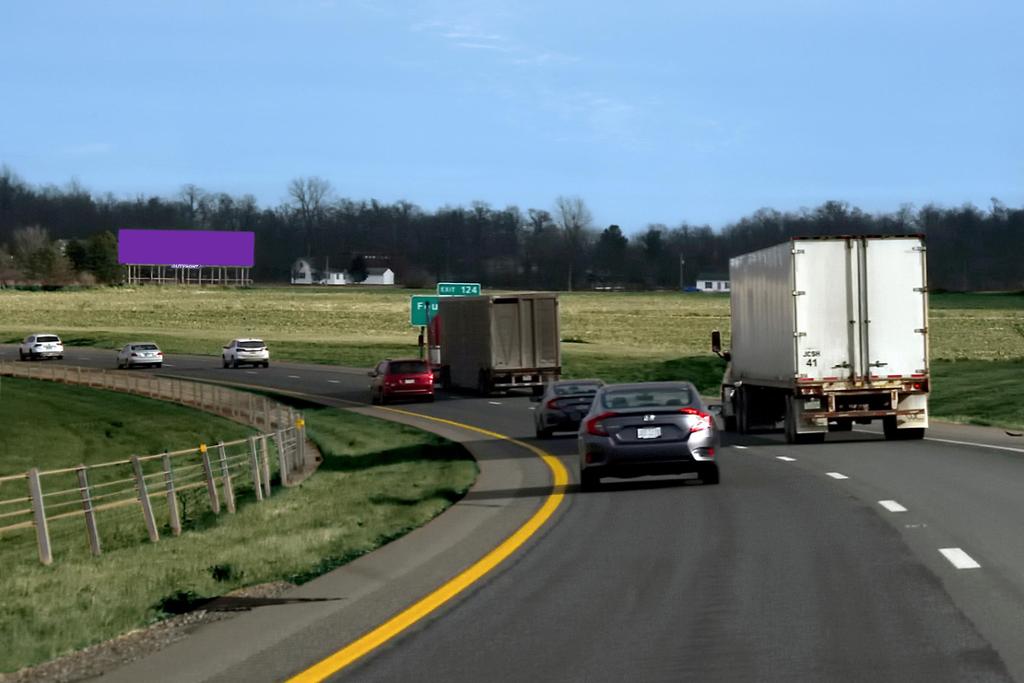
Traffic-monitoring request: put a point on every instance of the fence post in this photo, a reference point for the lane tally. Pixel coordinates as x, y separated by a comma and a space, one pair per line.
35, 491
225, 477
266, 413
172, 499
266, 466
282, 460
147, 505
252, 408
90, 514
211, 486
254, 461
300, 445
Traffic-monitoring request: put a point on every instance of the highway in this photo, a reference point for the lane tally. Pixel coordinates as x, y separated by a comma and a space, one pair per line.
854, 560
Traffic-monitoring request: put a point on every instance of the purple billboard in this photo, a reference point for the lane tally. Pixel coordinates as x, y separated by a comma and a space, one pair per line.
186, 248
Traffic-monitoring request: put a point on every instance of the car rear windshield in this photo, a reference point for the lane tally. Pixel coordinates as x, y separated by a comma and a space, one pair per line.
42, 339
145, 347
575, 389
251, 344
407, 367
647, 398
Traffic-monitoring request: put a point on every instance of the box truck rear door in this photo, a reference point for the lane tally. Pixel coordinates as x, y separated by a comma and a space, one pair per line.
821, 284
896, 304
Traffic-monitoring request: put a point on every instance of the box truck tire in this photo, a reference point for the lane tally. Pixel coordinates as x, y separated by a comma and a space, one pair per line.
894, 433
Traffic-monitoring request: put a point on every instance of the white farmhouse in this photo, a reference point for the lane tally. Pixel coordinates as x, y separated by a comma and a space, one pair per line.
335, 277
302, 272
713, 283
379, 276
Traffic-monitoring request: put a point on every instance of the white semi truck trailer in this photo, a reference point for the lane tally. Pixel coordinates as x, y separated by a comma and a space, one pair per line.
828, 332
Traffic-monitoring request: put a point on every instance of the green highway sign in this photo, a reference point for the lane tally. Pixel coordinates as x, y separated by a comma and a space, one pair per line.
422, 309
458, 289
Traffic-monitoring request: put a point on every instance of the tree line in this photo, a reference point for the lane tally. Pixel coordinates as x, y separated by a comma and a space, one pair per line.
67, 234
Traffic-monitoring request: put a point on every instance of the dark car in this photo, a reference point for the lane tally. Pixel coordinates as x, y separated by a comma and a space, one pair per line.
646, 429
563, 404
407, 378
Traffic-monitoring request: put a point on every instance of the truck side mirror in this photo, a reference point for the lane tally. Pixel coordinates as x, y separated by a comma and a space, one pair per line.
716, 341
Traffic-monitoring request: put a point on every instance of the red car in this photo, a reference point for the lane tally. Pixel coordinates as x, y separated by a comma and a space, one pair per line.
407, 378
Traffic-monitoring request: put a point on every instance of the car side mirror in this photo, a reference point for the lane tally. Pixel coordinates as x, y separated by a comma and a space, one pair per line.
715, 409
716, 341
371, 373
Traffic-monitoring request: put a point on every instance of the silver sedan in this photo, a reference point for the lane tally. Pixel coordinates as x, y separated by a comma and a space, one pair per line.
647, 429
562, 405
140, 354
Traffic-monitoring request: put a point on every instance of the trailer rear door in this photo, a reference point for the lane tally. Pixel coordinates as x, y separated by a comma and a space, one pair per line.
896, 307
822, 283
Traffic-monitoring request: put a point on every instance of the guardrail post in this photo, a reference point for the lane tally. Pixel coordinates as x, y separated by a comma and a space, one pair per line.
211, 485
90, 514
282, 459
225, 477
266, 466
174, 515
147, 505
254, 462
35, 492
300, 441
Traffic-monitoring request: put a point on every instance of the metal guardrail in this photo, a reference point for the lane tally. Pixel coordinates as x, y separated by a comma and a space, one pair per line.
222, 469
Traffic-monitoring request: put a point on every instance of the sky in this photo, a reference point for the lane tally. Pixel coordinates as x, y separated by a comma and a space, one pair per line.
651, 112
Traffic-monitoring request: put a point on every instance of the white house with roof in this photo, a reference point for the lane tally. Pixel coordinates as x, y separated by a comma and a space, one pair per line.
302, 272
379, 276
713, 283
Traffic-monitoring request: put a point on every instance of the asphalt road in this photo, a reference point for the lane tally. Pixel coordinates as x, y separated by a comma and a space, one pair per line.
816, 562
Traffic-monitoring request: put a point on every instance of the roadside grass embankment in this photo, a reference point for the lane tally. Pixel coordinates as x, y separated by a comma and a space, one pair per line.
378, 480
619, 336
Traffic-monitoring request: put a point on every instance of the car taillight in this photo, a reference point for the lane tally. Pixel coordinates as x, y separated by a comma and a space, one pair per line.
595, 427
703, 419
553, 404
159, 353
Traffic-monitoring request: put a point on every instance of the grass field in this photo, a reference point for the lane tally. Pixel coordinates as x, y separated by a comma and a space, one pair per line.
617, 336
378, 480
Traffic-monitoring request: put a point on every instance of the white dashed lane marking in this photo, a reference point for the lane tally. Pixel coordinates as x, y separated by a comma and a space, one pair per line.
959, 559
495, 403
785, 458
334, 381
892, 506
250, 372
742, 448
837, 475
293, 377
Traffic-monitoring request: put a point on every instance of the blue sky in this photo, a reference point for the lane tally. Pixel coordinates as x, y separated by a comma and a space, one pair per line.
652, 112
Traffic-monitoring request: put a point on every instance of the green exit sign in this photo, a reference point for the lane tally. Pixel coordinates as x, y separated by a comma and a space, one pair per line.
422, 309
458, 289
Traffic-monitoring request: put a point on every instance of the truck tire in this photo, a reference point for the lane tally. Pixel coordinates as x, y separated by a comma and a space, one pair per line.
589, 480
742, 414
893, 433
483, 384
729, 422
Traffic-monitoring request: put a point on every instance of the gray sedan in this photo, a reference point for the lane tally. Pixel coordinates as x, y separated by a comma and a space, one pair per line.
646, 429
145, 354
563, 405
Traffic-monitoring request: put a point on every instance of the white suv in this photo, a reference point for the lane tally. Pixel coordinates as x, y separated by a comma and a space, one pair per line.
246, 352
41, 346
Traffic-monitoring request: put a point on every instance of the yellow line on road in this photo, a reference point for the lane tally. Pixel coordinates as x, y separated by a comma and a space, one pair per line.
431, 602
428, 604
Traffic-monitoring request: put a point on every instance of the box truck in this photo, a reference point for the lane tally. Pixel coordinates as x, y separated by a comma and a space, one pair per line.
828, 332
498, 342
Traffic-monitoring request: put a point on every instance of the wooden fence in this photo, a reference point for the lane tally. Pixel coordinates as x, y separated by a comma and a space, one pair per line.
159, 484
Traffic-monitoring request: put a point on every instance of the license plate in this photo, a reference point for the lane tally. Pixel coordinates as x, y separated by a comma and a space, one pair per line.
408, 381
648, 432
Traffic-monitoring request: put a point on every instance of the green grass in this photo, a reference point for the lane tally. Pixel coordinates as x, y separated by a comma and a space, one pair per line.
979, 392
378, 480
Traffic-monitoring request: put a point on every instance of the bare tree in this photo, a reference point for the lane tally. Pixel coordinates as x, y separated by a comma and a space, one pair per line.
309, 196
574, 220
191, 196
